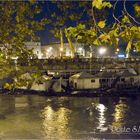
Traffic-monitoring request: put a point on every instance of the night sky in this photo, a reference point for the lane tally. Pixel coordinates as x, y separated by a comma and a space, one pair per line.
48, 8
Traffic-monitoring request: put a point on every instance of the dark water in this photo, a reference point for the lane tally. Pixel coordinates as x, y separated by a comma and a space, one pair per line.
38, 117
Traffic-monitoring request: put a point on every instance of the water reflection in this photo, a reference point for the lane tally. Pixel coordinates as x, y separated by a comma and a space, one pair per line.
20, 119
102, 120
56, 124
119, 114
7, 104
38, 117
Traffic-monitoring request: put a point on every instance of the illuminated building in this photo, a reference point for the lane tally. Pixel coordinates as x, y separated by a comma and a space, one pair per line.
36, 46
53, 50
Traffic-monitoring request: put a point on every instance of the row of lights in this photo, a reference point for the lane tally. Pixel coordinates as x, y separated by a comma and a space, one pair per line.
102, 51
49, 50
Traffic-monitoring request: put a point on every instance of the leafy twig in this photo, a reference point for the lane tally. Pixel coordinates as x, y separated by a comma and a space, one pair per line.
95, 23
129, 14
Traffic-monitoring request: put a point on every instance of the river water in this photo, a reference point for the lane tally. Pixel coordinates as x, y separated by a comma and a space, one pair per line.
39, 117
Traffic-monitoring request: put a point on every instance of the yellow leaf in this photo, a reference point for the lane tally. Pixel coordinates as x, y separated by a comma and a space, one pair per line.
137, 9
137, 46
96, 42
101, 24
126, 19
128, 46
6, 86
107, 4
104, 37
97, 4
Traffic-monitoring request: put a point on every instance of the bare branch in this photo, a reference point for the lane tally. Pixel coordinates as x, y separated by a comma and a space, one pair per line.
114, 7
83, 12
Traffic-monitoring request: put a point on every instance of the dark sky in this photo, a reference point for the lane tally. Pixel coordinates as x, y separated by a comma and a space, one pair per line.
48, 8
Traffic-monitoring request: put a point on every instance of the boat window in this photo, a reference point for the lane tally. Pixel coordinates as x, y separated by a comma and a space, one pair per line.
103, 80
123, 79
92, 81
75, 85
132, 79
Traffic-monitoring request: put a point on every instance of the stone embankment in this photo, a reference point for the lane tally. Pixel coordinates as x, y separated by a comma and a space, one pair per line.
89, 64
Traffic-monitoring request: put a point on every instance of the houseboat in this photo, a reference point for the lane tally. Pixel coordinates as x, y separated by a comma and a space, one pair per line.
107, 81
111, 80
84, 80
39, 84
43, 84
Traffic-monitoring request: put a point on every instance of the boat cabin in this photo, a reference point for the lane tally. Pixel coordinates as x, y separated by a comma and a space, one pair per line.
42, 83
121, 78
84, 80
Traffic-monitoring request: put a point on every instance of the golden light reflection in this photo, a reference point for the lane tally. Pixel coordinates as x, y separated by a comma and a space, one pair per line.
119, 115
48, 113
55, 123
102, 120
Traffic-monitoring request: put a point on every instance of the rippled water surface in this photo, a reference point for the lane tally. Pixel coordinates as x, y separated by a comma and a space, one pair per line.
39, 117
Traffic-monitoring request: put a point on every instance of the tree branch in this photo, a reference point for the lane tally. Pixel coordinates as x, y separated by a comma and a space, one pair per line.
114, 7
83, 12
95, 23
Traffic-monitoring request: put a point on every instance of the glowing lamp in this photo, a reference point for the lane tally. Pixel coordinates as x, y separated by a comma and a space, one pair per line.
102, 51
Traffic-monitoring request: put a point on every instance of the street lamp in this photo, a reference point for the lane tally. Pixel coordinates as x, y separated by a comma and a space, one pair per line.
102, 51
134, 50
118, 50
61, 51
50, 48
49, 52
